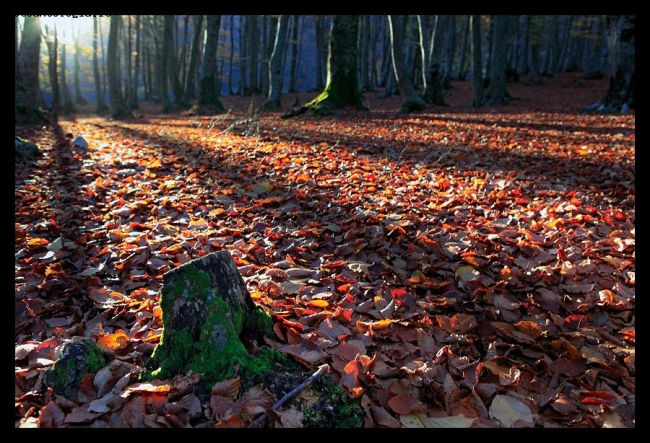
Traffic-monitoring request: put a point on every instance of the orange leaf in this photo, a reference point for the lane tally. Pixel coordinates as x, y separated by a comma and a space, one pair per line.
318, 303
118, 340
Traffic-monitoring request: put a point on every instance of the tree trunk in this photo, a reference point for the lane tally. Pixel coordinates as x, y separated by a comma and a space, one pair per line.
209, 318
99, 96
433, 93
364, 77
477, 63
295, 52
78, 96
450, 51
188, 93
496, 93
68, 106
171, 61
52, 42
118, 109
319, 24
273, 101
208, 95
133, 100
621, 48
411, 101
26, 89
461, 74
342, 88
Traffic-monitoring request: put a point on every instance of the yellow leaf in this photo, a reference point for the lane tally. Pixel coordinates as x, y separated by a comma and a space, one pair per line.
199, 223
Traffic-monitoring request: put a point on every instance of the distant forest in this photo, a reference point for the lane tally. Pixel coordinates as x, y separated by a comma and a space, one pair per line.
166, 57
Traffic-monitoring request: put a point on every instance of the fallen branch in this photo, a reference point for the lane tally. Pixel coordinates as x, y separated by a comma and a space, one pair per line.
322, 369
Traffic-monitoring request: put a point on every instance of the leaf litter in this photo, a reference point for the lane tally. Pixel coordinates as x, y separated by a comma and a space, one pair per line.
453, 268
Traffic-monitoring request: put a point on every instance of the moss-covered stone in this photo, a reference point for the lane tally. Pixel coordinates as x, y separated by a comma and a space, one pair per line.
78, 357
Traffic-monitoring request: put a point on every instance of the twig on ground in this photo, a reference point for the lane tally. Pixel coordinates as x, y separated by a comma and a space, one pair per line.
439, 158
322, 369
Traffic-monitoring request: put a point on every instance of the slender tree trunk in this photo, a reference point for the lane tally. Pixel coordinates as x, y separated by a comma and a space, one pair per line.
128, 56
231, 55
243, 57
294, 44
68, 106
522, 54
411, 101
497, 93
461, 74
190, 85
318, 69
52, 42
422, 34
376, 47
295, 60
364, 32
133, 100
252, 34
477, 62
269, 26
78, 96
208, 94
592, 53
27, 68
450, 51
99, 96
118, 109
564, 44
171, 61
273, 101
433, 94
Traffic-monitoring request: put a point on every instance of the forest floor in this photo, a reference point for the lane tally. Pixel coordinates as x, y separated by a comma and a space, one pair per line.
454, 267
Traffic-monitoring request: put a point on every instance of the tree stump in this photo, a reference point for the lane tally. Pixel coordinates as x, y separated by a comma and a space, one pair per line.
208, 316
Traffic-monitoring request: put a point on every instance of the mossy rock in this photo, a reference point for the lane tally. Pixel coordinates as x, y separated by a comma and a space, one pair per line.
78, 358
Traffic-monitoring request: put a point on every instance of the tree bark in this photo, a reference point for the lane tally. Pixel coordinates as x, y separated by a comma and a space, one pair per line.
26, 89
52, 42
477, 63
621, 47
273, 101
118, 109
188, 92
342, 88
171, 61
497, 93
99, 95
208, 94
78, 96
208, 318
411, 101
433, 93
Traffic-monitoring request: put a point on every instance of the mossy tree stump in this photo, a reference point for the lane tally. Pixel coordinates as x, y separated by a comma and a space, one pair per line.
208, 315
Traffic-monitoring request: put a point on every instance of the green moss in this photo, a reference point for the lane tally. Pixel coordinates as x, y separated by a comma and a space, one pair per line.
78, 359
187, 277
335, 409
218, 349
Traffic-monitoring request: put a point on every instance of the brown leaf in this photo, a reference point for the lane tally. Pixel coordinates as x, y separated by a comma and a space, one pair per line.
405, 404
51, 416
384, 419
227, 388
